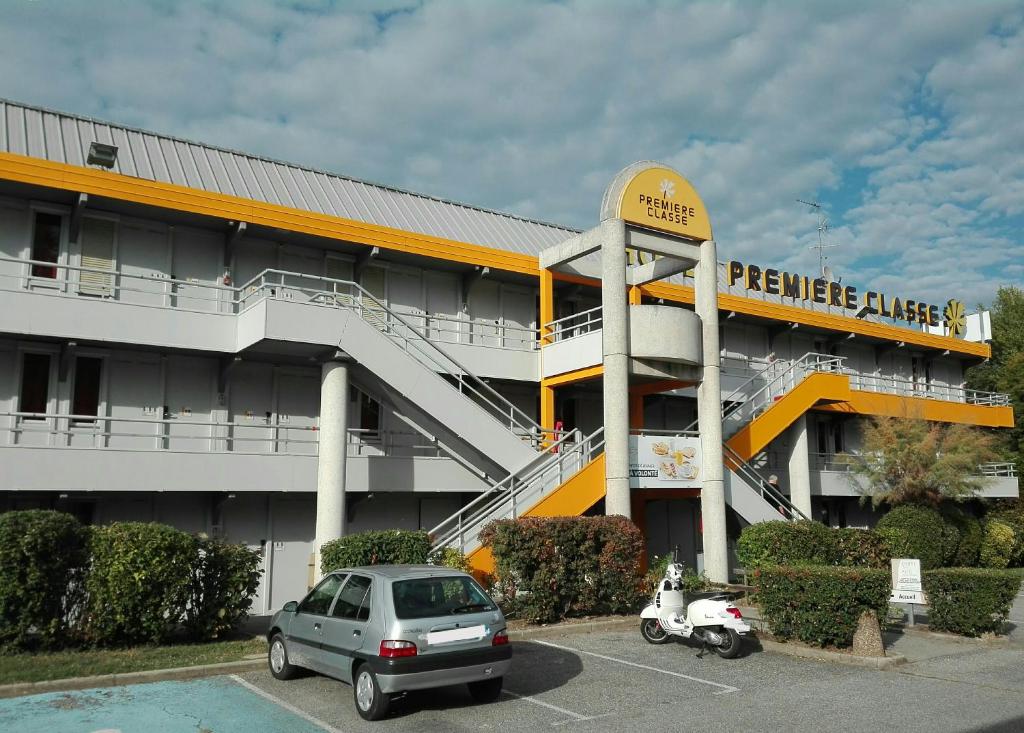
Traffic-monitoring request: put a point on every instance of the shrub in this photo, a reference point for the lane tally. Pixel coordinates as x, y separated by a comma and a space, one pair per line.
916, 531
810, 543
224, 579
996, 544
820, 605
1012, 513
450, 557
784, 543
42, 564
970, 534
552, 567
388, 547
139, 582
970, 601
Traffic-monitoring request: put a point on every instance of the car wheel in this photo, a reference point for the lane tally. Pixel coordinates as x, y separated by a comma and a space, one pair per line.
371, 703
277, 658
486, 690
732, 642
652, 631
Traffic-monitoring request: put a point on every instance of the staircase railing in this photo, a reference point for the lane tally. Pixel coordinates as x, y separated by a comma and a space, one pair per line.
325, 291
519, 492
770, 493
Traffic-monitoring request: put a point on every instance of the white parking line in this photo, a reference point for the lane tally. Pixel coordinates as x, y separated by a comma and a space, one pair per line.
573, 717
726, 689
287, 706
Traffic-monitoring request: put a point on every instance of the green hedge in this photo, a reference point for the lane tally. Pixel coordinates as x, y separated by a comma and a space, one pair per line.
970, 535
388, 547
916, 531
809, 543
549, 568
139, 583
43, 560
224, 579
970, 601
997, 544
820, 605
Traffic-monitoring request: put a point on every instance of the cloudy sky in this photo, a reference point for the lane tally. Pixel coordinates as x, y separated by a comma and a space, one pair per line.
905, 120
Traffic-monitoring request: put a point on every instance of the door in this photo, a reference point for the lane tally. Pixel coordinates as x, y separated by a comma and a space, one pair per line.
298, 396
305, 633
345, 628
372, 279
97, 242
442, 306
336, 268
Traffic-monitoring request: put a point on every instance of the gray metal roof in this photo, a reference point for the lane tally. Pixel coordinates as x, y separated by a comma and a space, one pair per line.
65, 138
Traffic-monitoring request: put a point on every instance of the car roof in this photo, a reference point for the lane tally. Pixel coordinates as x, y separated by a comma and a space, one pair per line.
400, 572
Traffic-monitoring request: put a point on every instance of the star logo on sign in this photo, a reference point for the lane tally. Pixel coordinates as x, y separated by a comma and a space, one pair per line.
668, 189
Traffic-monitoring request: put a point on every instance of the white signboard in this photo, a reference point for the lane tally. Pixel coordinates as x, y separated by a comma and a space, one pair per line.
906, 582
659, 462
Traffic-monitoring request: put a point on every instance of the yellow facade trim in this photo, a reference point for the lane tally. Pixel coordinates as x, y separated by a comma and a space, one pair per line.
63, 176
577, 375
767, 426
180, 198
874, 403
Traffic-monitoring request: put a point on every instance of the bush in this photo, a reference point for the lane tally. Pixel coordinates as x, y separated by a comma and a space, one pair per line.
450, 557
784, 543
970, 534
915, 531
549, 568
42, 564
224, 579
820, 605
139, 583
997, 544
809, 543
970, 601
1012, 513
388, 547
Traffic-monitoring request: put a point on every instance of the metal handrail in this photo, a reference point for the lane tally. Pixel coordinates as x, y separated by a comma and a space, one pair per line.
470, 518
580, 323
768, 492
460, 373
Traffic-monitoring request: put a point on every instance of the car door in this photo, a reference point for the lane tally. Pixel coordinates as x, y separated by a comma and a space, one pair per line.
305, 633
345, 628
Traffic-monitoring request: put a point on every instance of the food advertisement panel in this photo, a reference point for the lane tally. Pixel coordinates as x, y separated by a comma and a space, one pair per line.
662, 462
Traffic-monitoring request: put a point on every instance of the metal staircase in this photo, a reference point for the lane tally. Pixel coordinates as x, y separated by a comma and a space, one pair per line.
436, 393
518, 495
747, 491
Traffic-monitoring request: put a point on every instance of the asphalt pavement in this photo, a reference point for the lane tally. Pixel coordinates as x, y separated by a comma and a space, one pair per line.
592, 681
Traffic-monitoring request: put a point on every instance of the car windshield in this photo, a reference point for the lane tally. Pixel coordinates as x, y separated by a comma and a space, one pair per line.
429, 597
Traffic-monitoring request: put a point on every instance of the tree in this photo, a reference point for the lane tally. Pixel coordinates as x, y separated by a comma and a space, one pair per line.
908, 460
1004, 372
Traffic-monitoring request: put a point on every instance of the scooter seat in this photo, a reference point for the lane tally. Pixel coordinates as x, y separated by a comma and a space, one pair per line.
719, 594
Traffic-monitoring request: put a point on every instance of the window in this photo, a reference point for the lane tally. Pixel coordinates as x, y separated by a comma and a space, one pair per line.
319, 599
45, 243
354, 600
86, 397
35, 383
369, 415
431, 597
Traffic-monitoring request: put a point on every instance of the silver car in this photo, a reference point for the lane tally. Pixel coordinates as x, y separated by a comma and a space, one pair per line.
387, 629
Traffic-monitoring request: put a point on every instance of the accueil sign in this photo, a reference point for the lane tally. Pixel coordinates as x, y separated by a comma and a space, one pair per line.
819, 290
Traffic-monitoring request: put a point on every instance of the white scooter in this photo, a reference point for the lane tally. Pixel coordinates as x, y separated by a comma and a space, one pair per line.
709, 617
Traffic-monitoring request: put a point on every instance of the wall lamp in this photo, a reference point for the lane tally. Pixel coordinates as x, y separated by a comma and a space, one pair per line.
102, 154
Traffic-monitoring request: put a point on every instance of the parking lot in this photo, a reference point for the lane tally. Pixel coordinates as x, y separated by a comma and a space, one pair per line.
609, 681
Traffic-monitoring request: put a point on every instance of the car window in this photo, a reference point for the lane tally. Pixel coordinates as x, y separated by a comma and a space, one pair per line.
319, 599
427, 597
354, 600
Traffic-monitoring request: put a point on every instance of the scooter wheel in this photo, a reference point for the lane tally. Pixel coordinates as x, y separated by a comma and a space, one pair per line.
732, 642
652, 632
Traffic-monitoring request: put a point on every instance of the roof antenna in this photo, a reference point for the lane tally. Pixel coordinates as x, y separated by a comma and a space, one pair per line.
821, 246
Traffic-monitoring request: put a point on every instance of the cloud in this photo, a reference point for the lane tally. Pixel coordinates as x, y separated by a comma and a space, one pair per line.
904, 120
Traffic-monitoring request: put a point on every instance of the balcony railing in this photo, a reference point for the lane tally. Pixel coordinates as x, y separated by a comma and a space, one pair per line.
577, 324
204, 297
184, 435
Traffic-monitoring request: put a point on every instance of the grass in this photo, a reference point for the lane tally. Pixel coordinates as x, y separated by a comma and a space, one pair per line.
59, 665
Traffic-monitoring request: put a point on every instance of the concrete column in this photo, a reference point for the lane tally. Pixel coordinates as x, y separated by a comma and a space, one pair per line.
615, 349
709, 418
330, 470
799, 466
